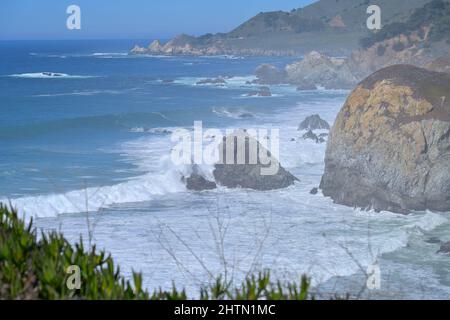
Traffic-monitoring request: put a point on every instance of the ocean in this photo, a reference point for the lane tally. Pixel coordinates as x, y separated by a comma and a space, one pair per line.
85, 143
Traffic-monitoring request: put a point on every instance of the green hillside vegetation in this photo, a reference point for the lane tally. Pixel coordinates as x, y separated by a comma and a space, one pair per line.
317, 16
35, 268
435, 15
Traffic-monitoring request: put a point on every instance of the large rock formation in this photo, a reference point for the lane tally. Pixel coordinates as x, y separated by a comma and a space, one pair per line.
389, 148
269, 74
256, 175
314, 70
318, 69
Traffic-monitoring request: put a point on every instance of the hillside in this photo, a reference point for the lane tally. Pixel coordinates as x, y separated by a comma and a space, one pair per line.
330, 26
421, 38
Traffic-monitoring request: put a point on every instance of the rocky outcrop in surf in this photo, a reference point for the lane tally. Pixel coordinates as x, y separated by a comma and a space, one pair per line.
317, 69
314, 122
261, 92
242, 169
214, 81
389, 148
262, 174
445, 248
269, 74
314, 70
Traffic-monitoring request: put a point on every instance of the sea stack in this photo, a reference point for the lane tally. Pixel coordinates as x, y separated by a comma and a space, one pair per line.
389, 148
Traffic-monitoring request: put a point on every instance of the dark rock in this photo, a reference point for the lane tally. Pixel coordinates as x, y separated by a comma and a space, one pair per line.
268, 74
216, 81
262, 92
306, 86
246, 115
314, 122
389, 148
196, 182
445, 248
314, 191
259, 175
311, 135
168, 81
433, 240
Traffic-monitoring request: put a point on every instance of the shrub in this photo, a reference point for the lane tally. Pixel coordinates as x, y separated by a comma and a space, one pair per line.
398, 46
36, 269
435, 14
381, 49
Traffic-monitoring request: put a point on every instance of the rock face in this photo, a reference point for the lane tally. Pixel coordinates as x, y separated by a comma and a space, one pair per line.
389, 148
269, 74
250, 175
196, 182
317, 69
310, 135
314, 122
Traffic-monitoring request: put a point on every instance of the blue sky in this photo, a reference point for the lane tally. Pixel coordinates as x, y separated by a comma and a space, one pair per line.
46, 19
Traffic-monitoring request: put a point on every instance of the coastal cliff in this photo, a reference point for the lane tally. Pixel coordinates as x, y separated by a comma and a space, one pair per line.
389, 148
329, 26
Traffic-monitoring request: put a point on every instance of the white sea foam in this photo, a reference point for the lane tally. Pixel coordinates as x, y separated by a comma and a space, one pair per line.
143, 188
233, 113
309, 234
48, 75
79, 93
230, 82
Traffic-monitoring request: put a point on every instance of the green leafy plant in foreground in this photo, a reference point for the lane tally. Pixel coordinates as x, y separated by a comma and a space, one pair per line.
32, 268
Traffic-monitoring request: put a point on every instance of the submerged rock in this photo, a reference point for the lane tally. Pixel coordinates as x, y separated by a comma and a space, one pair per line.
433, 240
258, 174
262, 92
314, 122
445, 248
314, 191
216, 81
389, 148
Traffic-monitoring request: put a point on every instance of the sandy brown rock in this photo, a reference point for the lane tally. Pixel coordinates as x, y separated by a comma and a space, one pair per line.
389, 148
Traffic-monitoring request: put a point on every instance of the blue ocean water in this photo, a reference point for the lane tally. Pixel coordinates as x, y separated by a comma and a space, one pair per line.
64, 129
95, 136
